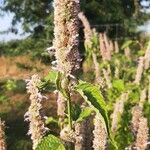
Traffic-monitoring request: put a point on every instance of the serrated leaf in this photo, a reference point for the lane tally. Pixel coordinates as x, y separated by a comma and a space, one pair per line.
50, 142
93, 97
86, 112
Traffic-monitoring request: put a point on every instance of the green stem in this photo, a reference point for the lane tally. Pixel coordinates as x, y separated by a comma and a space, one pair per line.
62, 85
69, 111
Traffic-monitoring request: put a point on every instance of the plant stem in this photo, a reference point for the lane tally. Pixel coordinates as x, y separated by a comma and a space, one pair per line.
69, 111
67, 91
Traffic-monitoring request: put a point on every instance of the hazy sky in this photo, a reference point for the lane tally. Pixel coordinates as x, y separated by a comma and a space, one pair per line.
5, 23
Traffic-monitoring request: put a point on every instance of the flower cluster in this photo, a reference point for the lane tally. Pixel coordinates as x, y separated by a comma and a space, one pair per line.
116, 45
84, 136
66, 35
136, 115
117, 69
139, 128
118, 110
100, 133
142, 134
142, 97
33, 115
106, 73
105, 47
87, 30
96, 67
139, 71
2, 136
80, 131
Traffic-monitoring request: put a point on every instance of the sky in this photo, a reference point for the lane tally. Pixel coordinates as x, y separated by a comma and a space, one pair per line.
5, 23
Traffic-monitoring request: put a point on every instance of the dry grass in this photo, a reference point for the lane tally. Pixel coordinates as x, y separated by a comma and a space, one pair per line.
9, 68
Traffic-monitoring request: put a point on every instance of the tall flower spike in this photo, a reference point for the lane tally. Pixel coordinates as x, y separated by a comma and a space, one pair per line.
136, 115
142, 97
88, 33
127, 52
2, 136
87, 30
83, 132
139, 71
142, 134
80, 132
116, 46
104, 46
100, 133
33, 115
107, 42
66, 36
117, 68
111, 46
66, 41
107, 78
98, 79
118, 110
88, 131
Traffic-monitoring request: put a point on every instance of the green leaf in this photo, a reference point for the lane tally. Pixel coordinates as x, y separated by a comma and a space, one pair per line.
141, 53
48, 83
52, 75
59, 79
119, 85
86, 112
75, 111
3, 98
93, 97
10, 85
126, 44
50, 143
51, 120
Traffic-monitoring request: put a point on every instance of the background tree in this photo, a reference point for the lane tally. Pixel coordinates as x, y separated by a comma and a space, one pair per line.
126, 14
36, 15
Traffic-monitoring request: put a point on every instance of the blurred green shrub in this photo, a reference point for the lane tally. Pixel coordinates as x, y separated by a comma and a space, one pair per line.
29, 46
17, 86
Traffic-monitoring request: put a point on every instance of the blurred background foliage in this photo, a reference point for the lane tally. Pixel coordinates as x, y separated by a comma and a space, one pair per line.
119, 18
